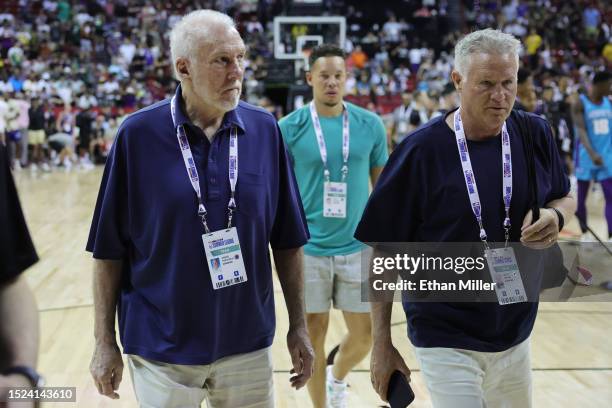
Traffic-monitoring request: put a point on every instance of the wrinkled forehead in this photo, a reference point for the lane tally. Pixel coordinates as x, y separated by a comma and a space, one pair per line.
487, 64
223, 40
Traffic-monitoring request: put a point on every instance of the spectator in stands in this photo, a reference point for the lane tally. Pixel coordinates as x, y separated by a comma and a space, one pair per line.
592, 18
557, 113
448, 100
358, 58
61, 49
84, 122
401, 119
22, 122
392, 30
416, 55
423, 107
525, 91
36, 135
533, 43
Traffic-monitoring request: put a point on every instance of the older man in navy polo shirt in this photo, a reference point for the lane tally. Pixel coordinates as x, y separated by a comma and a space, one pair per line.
444, 184
194, 191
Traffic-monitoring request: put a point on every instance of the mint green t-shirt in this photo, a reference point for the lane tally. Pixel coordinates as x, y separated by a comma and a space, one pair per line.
367, 149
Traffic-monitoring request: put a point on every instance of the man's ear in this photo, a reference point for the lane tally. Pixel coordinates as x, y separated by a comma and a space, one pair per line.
457, 80
182, 67
309, 77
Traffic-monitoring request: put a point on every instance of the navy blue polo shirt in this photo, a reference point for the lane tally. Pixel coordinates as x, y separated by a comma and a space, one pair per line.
421, 197
146, 215
17, 252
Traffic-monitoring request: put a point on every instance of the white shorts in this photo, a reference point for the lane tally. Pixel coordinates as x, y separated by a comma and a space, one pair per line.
333, 278
459, 378
240, 380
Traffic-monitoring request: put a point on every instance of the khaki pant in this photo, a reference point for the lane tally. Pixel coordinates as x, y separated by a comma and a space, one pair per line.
472, 379
242, 380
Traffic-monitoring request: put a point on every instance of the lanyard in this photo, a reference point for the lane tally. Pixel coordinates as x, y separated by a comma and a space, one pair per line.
321, 141
192, 172
470, 179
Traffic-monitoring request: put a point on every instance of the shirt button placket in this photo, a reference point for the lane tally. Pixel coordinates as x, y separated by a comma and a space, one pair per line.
213, 167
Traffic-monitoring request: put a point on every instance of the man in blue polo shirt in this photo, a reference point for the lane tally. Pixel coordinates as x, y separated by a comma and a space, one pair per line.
471, 354
194, 191
336, 149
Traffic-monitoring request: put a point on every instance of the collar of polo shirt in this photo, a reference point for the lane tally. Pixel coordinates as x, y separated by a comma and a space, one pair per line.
231, 118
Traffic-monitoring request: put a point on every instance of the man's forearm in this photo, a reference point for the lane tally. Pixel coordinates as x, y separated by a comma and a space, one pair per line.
381, 306
18, 324
106, 286
586, 142
580, 126
290, 269
380, 315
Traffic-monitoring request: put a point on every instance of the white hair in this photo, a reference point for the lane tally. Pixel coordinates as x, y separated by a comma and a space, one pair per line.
194, 30
487, 41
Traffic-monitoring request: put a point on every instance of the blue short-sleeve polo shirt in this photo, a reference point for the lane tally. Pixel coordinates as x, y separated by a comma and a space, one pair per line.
146, 215
421, 197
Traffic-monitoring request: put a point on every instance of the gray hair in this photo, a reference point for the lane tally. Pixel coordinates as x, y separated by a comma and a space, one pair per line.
193, 30
487, 41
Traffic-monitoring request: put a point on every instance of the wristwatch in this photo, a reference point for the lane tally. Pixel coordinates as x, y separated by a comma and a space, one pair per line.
560, 216
36, 379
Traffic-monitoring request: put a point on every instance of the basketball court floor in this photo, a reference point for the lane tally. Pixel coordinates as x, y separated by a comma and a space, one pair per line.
571, 342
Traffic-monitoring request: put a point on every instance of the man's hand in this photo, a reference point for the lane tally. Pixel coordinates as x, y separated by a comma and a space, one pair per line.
106, 368
302, 356
384, 361
543, 233
596, 158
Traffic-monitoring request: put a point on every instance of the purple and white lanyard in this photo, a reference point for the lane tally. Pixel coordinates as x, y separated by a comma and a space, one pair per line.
470, 179
321, 141
192, 171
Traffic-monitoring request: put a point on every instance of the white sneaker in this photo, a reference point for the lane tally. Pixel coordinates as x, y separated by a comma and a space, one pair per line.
33, 168
16, 165
45, 167
336, 391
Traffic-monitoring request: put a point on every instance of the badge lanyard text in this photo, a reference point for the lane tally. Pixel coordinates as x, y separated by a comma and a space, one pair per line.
470, 179
192, 171
321, 142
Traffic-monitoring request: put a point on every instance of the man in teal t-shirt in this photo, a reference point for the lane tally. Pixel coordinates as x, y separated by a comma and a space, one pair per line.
337, 149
